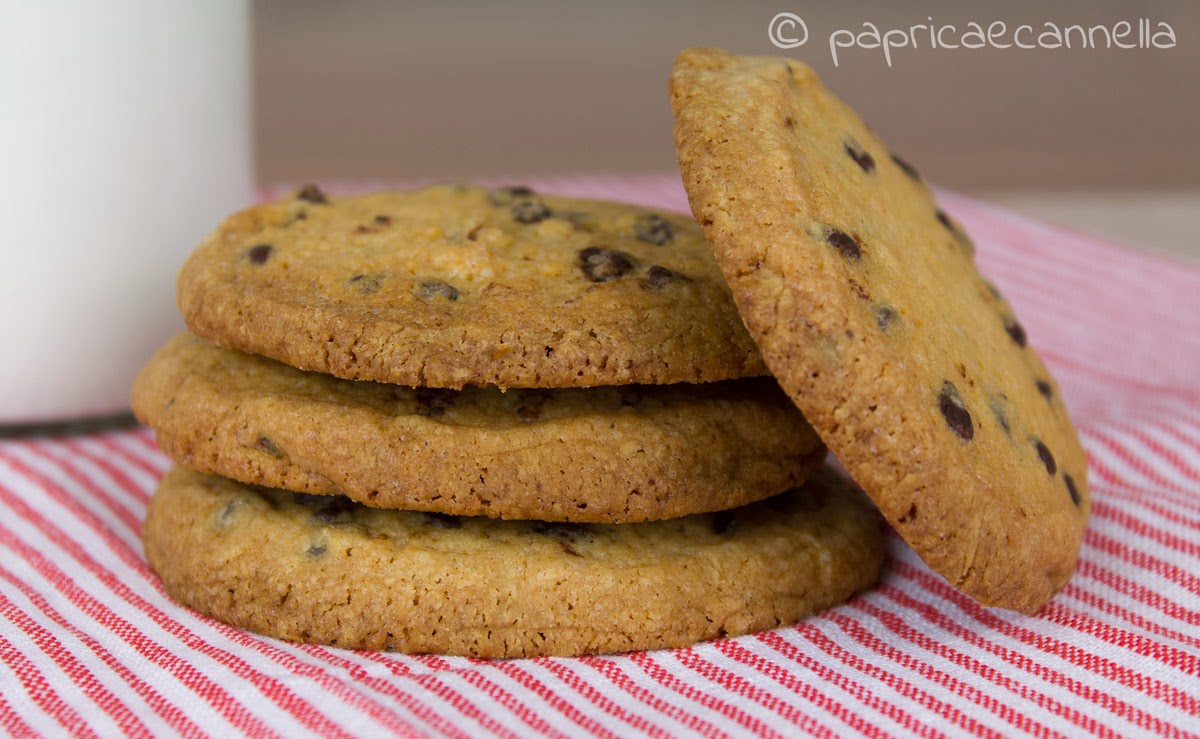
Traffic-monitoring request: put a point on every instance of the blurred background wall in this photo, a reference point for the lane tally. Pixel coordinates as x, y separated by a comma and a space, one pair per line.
1102, 139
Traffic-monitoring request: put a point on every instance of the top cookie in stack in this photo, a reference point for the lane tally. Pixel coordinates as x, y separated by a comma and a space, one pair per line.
456, 285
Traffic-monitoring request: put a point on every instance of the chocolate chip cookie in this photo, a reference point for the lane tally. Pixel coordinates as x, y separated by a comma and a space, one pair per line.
609, 454
454, 285
329, 570
864, 299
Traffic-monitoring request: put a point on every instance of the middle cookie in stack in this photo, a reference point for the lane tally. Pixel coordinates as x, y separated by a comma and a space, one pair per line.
596, 314
604, 455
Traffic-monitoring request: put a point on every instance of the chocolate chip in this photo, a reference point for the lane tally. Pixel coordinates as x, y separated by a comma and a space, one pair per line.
1074, 491
909, 170
259, 253
443, 520
1044, 388
654, 229
844, 243
602, 265
996, 405
1047, 458
325, 507
958, 418
266, 445
885, 317
228, 511
859, 291
529, 211
382, 220
659, 276
433, 402
567, 534
331, 511
1016, 331
959, 234
431, 289
861, 156
789, 122
312, 194
723, 523
553, 528
367, 284
500, 196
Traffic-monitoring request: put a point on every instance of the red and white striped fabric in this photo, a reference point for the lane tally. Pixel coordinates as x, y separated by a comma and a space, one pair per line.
90, 645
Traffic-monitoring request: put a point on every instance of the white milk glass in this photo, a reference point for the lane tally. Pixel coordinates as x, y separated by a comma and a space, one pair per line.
124, 139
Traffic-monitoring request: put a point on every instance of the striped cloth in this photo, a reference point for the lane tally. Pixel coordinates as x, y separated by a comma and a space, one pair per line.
90, 645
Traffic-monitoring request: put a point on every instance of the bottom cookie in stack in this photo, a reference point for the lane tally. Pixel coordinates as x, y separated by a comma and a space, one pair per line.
627, 540
329, 570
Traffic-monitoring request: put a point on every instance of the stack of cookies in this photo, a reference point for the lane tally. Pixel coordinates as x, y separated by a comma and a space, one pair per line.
483, 422
493, 423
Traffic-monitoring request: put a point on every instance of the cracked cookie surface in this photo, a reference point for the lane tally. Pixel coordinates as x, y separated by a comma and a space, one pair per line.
328, 570
609, 454
455, 285
864, 299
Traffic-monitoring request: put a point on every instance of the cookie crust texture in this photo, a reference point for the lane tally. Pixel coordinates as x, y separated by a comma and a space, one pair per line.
865, 301
454, 285
327, 570
606, 454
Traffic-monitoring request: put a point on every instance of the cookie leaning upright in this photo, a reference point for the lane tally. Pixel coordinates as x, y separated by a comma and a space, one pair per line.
866, 304
454, 285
